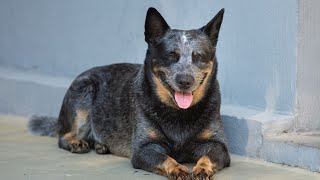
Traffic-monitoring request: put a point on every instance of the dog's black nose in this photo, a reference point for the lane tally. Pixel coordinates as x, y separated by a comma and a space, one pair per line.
184, 81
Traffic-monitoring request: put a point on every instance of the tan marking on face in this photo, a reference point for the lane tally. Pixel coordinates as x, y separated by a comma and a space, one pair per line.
205, 165
171, 166
163, 93
199, 92
206, 134
155, 69
152, 134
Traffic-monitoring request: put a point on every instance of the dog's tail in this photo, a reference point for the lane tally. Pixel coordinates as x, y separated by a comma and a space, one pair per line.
43, 126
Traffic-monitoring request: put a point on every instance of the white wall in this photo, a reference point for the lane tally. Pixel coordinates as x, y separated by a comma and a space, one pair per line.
257, 55
308, 81
257, 46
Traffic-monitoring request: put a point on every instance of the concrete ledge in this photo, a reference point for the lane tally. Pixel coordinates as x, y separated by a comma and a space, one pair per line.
271, 122
261, 135
293, 149
245, 128
26, 93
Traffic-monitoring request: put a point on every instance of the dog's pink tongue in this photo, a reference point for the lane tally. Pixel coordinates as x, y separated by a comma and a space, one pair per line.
183, 99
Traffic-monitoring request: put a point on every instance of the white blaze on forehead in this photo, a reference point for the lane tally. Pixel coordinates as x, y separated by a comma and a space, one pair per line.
185, 49
184, 38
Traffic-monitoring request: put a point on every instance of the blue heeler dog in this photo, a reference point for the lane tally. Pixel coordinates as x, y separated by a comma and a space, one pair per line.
159, 114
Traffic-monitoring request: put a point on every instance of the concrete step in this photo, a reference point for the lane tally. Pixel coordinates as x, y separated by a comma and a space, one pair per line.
294, 149
25, 93
253, 133
31, 157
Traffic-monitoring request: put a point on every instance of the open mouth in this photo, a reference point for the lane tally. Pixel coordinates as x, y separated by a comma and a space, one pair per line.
182, 98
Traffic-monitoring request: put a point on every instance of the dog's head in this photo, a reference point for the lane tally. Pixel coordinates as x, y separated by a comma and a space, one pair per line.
180, 62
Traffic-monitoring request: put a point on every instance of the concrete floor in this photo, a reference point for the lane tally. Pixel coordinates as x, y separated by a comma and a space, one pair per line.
23, 156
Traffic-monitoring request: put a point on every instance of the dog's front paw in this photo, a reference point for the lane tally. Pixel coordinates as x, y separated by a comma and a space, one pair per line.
204, 169
179, 172
201, 172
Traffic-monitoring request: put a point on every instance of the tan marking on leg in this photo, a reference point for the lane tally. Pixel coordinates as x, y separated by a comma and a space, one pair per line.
204, 168
75, 144
81, 117
206, 134
199, 92
69, 136
152, 133
171, 168
75, 141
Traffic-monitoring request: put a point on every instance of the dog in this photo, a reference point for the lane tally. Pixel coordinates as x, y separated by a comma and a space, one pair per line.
159, 114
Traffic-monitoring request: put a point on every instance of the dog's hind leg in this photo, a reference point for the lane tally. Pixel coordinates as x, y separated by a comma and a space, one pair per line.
75, 115
76, 140
74, 145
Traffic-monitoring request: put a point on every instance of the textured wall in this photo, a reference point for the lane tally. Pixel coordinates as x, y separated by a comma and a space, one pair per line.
308, 81
256, 48
258, 55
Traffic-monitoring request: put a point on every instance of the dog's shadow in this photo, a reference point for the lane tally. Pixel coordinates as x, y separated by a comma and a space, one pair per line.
240, 140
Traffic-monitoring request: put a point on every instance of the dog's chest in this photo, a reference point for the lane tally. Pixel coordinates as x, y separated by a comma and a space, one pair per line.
179, 139
178, 135
179, 128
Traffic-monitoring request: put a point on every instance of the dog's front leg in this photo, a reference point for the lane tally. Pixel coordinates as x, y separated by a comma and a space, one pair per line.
212, 156
152, 157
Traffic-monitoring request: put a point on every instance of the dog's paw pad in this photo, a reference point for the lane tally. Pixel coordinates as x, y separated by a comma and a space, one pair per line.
79, 146
101, 149
179, 173
202, 173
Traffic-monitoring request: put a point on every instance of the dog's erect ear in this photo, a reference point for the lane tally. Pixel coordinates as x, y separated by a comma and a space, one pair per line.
213, 27
155, 26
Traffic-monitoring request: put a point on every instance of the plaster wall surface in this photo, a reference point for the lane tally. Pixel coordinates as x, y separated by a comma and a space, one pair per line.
308, 63
256, 49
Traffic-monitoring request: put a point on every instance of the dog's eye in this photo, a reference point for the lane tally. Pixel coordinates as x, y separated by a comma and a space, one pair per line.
197, 56
173, 55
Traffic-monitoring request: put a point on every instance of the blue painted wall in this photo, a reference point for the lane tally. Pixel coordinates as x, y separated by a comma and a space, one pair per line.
258, 54
257, 48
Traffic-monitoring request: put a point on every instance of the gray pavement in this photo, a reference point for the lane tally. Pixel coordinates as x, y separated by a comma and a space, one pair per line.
23, 156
